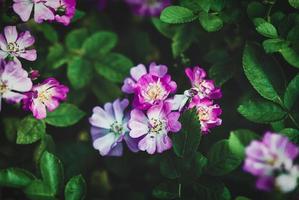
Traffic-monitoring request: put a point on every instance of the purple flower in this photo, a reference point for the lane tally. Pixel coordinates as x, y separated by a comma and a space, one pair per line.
46, 95
109, 129
14, 81
64, 11
34, 74
269, 157
42, 9
203, 88
148, 7
208, 115
13, 45
152, 128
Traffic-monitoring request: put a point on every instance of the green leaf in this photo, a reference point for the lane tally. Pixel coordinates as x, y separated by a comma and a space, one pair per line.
211, 189
200, 164
221, 72
263, 73
205, 4
210, 22
15, 177
255, 9
221, 160
46, 144
267, 29
114, 67
182, 40
49, 32
176, 15
166, 191
38, 190
294, 3
292, 134
291, 56
169, 166
195, 5
10, 128
261, 111
239, 139
78, 15
218, 5
74, 40
99, 44
75, 188
275, 45
30, 130
168, 30
65, 115
185, 142
79, 72
242, 198
56, 56
292, 92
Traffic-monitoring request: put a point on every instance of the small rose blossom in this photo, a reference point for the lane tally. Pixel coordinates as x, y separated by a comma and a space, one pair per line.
109, 129
14, 81
204, 88
34, 74
64, 11
45, 96
208, 115
42, 9
272, 161
148, 7
13, 45
153, 127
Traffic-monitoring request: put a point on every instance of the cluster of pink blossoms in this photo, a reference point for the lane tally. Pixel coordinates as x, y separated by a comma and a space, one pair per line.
16, 84
271, 160
154, 114
61, 11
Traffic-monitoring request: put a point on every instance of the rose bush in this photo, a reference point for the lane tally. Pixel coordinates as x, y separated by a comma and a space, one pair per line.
149, 99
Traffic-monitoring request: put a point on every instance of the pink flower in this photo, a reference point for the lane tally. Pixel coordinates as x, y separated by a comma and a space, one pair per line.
204, 88
13, 45
46, 95
152, 128
42, 9
272, 161
65, 11
208, 115
13, 82
148, 7
109, 129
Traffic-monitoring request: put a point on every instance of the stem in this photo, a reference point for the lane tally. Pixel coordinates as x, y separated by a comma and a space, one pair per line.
180, 190
269, 10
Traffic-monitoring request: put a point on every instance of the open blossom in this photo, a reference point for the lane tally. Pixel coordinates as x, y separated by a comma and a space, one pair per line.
42, 9
202, 87
14, 81
153, 127
272, 161
148, 7
13, 45
208, 115
109, 129
46, 95
64, 11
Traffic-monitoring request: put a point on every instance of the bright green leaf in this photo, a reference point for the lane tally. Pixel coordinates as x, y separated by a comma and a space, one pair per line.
291, 56
15, 177
182, 40
292, 92
75, 188
261, 111
176, 15
74, 40
30, 130
292, 134
209, 22
267, 29
294, 3
200, 164
65, 115
275, 45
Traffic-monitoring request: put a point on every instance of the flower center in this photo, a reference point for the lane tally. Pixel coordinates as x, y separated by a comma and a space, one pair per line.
154, 91
3, 87
203, 113
44, 95
157, 125
13, 47
61, 10
117, 127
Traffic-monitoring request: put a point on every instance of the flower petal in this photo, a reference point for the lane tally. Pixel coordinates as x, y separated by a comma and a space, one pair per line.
23, 8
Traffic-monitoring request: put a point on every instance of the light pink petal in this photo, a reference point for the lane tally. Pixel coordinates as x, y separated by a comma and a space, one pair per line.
119, 107
148, 143
173, 123
42, 13
100, 118
137, 129
13, 97
23, 8
38, 109
29, 55
3, 54
156, 111
104, 144
158, 70
51, 104
25, 40
163, 143
53, 4
3, 42
10, 33
138, 71
128, 86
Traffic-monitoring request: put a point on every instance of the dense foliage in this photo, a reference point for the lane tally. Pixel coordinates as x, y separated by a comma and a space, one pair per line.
250, 49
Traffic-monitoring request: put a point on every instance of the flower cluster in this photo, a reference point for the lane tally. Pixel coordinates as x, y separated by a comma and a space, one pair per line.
61, 11
155, 114
16, 84
271, 160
